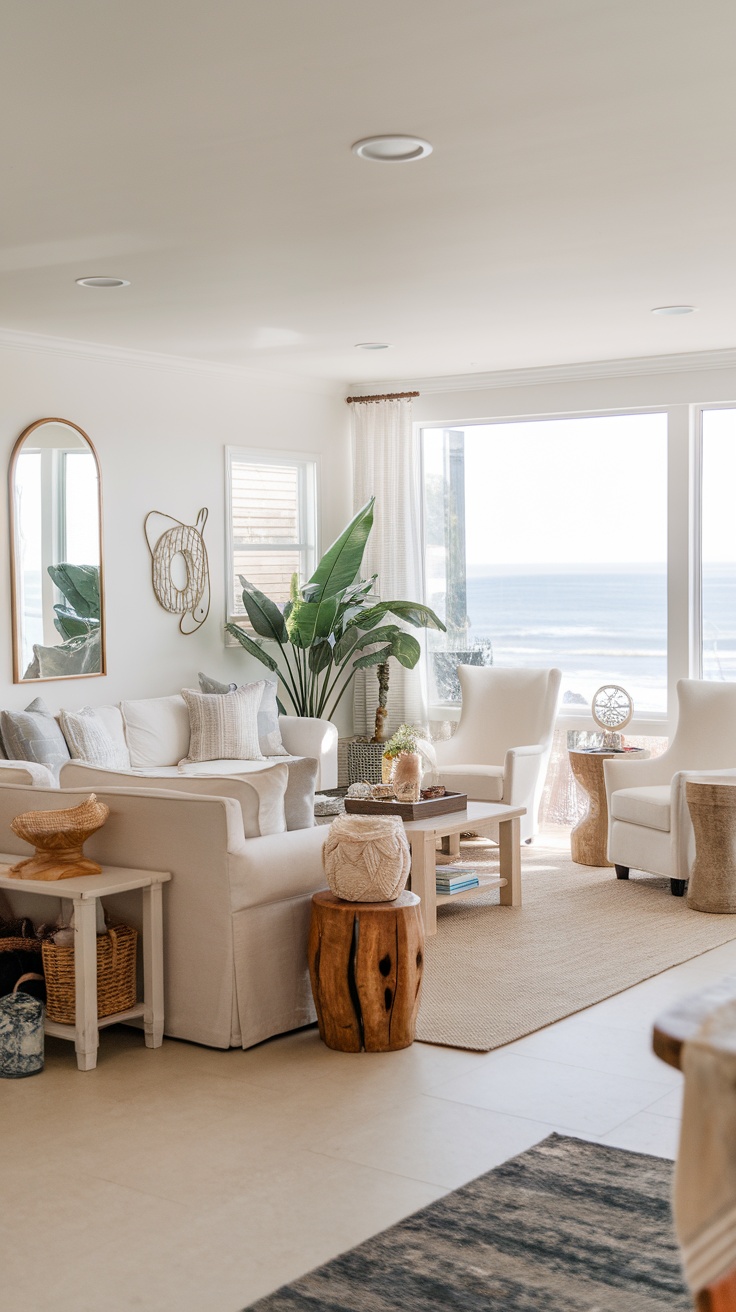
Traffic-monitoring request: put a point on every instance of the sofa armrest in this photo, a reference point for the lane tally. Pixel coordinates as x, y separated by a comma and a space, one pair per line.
27, 772
308, 736
635, 774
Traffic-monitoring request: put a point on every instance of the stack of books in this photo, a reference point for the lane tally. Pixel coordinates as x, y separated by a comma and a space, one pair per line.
454, 879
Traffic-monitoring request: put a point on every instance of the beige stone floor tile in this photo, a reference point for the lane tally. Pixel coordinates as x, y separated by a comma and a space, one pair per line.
570, 1097
428, 1138
597, 1047
670, 1104
225, 1257
646, 1133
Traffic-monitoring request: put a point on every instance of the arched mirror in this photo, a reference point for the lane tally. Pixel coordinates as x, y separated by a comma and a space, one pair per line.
56, 554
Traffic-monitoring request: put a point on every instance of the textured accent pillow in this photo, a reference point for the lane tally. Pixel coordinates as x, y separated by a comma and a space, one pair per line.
157, 731
224, 726
89, 740
269, 734
33, 735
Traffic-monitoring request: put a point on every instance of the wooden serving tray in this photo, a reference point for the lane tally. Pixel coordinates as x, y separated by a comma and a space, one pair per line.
408, 810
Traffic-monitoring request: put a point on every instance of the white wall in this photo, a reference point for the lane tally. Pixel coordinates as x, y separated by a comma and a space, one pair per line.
160, 429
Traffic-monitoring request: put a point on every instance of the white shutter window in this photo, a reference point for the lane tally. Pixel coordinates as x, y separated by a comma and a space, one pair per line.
272, 524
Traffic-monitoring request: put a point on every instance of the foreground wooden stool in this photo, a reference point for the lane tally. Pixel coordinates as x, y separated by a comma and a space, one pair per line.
671, 1030
712, 885
365, 964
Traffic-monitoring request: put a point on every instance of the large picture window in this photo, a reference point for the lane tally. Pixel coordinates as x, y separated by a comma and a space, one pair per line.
718, 545
546, 544
272, 523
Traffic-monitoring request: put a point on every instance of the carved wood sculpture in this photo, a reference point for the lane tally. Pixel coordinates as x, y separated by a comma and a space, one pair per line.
365, 964
170, 540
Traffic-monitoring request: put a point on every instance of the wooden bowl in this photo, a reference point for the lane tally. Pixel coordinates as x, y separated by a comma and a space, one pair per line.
58, 837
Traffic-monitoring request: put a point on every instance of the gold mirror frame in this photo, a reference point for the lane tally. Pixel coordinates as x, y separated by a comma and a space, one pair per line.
14, 564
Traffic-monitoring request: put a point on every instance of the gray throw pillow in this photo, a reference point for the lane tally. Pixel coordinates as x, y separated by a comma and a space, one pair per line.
269, 734
33, 735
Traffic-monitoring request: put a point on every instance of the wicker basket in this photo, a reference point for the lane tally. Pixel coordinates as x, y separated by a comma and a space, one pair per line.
116, 976
20, 945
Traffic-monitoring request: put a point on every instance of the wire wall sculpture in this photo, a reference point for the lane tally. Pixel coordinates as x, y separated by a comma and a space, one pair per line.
170, 541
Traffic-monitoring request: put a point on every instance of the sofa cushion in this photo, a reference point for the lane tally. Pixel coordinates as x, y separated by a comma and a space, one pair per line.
156, 731
33, 735
482, 783
649, 807
260, 794
224, 726
89, 739
300, 790
269, 733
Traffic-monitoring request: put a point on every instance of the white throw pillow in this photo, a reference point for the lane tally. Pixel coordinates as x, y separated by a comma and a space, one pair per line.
89, 739
269, 733
157, 731
224, 726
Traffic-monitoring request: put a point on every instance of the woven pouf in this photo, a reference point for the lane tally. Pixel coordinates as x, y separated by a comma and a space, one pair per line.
367, 858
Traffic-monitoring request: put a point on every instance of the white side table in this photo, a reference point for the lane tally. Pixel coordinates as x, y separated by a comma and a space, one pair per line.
83, 890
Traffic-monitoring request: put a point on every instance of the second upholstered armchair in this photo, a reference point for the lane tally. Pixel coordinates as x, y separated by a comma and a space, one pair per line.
501, 748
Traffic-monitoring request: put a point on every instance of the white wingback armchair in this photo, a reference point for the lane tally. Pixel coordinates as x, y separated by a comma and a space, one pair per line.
649, 825
501, 748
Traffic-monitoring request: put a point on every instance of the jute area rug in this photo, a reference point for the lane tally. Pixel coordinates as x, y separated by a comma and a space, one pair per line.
493, 973
566, 1227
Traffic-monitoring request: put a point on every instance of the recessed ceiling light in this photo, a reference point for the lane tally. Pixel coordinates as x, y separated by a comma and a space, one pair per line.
395, 148
102, 282
372, 346
674, 309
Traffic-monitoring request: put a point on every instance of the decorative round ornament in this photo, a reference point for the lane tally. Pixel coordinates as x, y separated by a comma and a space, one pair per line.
612, 707
367, 858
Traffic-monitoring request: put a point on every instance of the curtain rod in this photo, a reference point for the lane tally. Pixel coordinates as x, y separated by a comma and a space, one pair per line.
387, 396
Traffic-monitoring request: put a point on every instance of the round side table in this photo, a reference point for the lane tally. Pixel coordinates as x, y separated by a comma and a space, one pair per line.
712, 885
365, 964
589, 838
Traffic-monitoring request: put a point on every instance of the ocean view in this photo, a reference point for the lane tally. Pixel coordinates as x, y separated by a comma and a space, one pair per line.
600, 625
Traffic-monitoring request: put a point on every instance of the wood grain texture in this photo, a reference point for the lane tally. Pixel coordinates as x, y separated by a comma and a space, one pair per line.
365, 962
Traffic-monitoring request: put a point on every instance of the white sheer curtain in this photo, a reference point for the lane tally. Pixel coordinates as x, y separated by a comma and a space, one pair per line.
386, 464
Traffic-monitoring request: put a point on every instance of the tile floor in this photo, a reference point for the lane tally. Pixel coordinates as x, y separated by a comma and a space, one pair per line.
193, 1180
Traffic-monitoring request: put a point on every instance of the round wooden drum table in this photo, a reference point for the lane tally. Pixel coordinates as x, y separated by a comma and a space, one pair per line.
712, 885
589, 838
365, 964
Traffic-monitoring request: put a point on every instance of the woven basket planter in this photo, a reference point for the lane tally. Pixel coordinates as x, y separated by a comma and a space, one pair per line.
116, 975
20, 944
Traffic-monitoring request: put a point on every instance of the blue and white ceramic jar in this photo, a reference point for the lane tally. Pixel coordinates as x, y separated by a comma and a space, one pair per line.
21, 1036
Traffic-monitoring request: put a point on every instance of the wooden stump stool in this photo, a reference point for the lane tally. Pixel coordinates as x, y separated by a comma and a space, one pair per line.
712, 885
365, 964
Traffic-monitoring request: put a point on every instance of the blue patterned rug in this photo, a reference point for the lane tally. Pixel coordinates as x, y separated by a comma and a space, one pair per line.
568, 1226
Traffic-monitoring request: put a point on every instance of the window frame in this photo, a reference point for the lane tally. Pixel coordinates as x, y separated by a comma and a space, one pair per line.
681, 455
308, 468
696, 476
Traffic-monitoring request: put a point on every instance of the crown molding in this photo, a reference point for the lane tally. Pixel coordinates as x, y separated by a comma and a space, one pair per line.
692, 362
41, 344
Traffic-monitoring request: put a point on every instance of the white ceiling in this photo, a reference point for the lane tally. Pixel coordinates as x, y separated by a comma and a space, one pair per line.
582, 173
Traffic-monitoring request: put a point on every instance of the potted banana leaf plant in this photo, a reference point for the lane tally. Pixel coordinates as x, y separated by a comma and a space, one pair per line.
329, 629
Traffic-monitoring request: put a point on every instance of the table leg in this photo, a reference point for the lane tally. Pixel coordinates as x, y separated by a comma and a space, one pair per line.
153, 966
451, 845
424, 877
87, 1036
509, 843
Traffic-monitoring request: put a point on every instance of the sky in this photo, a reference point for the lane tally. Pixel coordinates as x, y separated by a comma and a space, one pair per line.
585, 491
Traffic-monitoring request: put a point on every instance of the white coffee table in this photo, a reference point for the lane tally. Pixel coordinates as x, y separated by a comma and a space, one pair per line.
83, 891
478, 817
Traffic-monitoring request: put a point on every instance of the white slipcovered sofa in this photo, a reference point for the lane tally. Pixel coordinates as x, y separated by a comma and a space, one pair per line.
236, 912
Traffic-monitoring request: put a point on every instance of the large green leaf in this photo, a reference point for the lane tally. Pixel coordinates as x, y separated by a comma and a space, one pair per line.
312, 621
263, 613
412, 612
80, 585
345, 645
386, 633
406, 649
341, 563
254, 648
71, 625
372, 658
320, 656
